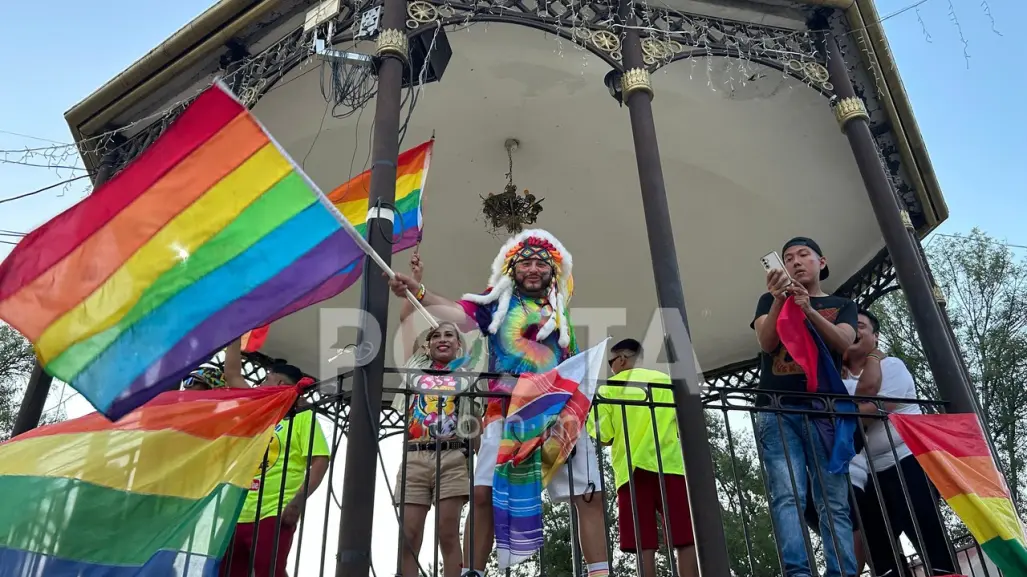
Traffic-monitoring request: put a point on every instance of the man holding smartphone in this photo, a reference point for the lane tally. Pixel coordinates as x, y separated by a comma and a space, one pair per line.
789, 443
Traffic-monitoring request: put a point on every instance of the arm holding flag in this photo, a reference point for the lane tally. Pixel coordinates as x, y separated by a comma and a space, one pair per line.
839, 334
233, 366
445, 309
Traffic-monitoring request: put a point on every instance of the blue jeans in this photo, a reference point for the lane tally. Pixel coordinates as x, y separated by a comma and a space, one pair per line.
789, 451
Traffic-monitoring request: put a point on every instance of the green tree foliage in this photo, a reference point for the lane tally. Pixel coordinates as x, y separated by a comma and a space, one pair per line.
985, 285
16, 362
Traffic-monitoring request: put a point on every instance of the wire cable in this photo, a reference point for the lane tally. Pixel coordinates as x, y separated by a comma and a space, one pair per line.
44, 189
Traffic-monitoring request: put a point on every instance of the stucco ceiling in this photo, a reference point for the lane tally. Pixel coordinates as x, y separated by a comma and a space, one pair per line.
745, 169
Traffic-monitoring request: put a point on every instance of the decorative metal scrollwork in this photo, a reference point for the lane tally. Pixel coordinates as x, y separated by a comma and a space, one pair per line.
607, 42
420, 12
813, 73
655, 50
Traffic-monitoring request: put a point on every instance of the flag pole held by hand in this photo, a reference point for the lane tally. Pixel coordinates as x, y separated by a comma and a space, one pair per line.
379, 212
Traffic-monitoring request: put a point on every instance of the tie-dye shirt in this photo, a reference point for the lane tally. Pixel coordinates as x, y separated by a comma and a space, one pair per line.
513, 349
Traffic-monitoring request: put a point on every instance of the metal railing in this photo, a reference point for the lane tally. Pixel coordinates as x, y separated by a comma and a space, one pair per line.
755, 440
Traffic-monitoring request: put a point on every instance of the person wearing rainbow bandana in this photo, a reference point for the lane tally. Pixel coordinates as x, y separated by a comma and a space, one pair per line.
523, 314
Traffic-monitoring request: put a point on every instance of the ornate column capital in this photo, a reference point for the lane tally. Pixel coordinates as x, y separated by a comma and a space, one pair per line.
635, 80
849, 109
906, 220
392, 42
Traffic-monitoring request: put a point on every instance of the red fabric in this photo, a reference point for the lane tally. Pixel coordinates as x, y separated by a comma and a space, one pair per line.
650, 501
236, 562
48, 244
794, 335
959, 435
253, 340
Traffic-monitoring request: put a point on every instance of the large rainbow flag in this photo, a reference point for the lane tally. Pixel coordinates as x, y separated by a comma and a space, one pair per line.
955, 455
154, 494
352, 200
200, 239
544, 422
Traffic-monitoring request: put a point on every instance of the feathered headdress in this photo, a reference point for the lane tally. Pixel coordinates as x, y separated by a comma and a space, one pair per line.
529, 244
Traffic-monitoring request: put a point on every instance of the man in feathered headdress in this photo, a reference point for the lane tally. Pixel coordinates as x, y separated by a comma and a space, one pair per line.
523, 314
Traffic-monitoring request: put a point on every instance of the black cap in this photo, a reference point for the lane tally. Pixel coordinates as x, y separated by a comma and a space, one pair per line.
628, 345
811, 244
288, 371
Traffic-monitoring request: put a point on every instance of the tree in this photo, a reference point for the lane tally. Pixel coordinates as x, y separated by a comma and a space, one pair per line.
16, 362
985, 286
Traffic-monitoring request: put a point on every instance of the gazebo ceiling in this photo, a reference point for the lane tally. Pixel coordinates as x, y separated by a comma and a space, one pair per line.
745, 170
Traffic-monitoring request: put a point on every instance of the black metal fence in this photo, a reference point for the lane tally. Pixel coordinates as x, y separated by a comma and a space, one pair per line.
783, 514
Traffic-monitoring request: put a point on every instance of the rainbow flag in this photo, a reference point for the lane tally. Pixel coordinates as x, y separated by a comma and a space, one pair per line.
253, 340
154, 494
210, 231
544, 422
953, 452
352, 197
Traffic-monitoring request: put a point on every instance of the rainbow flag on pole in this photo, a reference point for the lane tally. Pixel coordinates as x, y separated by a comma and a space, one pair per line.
954, 453
203, 237
154, 494
351, 198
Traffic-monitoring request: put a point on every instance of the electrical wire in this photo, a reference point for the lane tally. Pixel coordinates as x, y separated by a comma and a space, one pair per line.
44, 189
39, 138
33, 165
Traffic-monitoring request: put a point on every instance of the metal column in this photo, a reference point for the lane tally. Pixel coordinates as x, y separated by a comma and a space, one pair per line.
710, 542
899, 236
38, 388
361, 448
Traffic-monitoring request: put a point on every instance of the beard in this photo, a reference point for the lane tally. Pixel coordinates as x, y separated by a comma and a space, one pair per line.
543, 286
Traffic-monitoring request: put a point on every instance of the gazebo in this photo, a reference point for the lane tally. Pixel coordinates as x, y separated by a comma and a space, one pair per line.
672, 144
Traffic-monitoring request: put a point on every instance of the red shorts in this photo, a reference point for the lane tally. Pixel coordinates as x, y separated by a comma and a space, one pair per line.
237, 558
650, 501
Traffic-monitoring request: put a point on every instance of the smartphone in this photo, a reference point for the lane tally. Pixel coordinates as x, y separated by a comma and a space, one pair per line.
771, 261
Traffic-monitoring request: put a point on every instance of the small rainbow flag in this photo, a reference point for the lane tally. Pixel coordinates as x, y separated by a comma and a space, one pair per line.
156, 493
351, 198
253, 340
200, 239
953, 452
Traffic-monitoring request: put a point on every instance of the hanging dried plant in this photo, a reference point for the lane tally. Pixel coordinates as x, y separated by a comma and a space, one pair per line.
508, 211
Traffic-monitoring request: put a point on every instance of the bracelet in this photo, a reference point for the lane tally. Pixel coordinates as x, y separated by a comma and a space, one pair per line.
420, 293
874, 356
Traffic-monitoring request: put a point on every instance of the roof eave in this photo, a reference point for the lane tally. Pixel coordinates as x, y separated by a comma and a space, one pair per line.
207, 32
218, 24
866, 25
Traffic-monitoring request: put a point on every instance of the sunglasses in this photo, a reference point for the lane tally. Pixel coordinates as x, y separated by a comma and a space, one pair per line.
194, 381
624, 356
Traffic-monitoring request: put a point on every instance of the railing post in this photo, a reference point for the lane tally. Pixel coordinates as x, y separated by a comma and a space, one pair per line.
38, 389
636, 90
899, 237
358, 489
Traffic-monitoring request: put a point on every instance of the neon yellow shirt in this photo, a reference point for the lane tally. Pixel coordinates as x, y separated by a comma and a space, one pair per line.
299, 447
639, 425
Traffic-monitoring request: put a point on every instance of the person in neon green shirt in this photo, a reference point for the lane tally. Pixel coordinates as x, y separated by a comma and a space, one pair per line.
640, 471
255, 530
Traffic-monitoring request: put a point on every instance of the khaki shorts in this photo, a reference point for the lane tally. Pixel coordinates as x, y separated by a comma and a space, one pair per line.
420, 480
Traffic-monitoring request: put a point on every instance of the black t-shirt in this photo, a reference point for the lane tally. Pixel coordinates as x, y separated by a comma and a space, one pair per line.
778, 371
